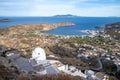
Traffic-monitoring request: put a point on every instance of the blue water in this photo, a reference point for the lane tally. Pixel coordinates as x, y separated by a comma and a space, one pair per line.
81, 23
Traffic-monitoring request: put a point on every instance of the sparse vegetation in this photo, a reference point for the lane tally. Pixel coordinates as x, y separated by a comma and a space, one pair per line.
98, 41
49, 77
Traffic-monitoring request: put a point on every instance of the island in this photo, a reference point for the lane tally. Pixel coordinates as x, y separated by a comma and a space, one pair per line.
5, 20
65, 16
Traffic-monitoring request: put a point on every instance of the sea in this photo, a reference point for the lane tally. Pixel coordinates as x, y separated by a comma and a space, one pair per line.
81, 23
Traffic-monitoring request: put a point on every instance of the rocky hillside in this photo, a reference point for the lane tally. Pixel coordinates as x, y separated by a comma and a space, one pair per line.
25, 37
113, 30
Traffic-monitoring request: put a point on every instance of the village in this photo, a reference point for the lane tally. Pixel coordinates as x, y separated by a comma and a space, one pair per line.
38, 64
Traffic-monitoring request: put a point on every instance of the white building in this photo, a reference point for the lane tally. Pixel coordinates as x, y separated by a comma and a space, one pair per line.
75, 72
58, 64
39, 55
90, 73
53, 66
38, 65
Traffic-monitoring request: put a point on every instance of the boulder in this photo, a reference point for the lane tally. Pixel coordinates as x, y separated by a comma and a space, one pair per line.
2, 49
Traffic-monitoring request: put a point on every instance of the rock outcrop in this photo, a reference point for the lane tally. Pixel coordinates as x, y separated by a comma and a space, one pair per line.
113, 30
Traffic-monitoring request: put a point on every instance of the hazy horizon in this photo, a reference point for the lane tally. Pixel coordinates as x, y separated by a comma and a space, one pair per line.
59, 14
46, 8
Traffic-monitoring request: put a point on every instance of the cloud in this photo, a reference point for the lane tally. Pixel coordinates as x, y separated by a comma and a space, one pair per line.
100, 11
53, 7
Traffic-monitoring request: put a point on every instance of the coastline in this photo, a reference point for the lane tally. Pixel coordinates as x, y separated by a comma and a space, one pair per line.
90, 33
21, 35
23, 28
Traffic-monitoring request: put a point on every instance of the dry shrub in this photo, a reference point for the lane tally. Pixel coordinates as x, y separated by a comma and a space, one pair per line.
22, 78
49, 77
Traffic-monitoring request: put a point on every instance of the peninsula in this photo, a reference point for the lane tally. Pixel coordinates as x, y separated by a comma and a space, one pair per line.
19, 36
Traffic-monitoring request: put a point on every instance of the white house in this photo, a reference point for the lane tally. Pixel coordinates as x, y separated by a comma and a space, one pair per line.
90, 73
57, 64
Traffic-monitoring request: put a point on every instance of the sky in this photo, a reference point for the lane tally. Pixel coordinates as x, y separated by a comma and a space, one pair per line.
97, 8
